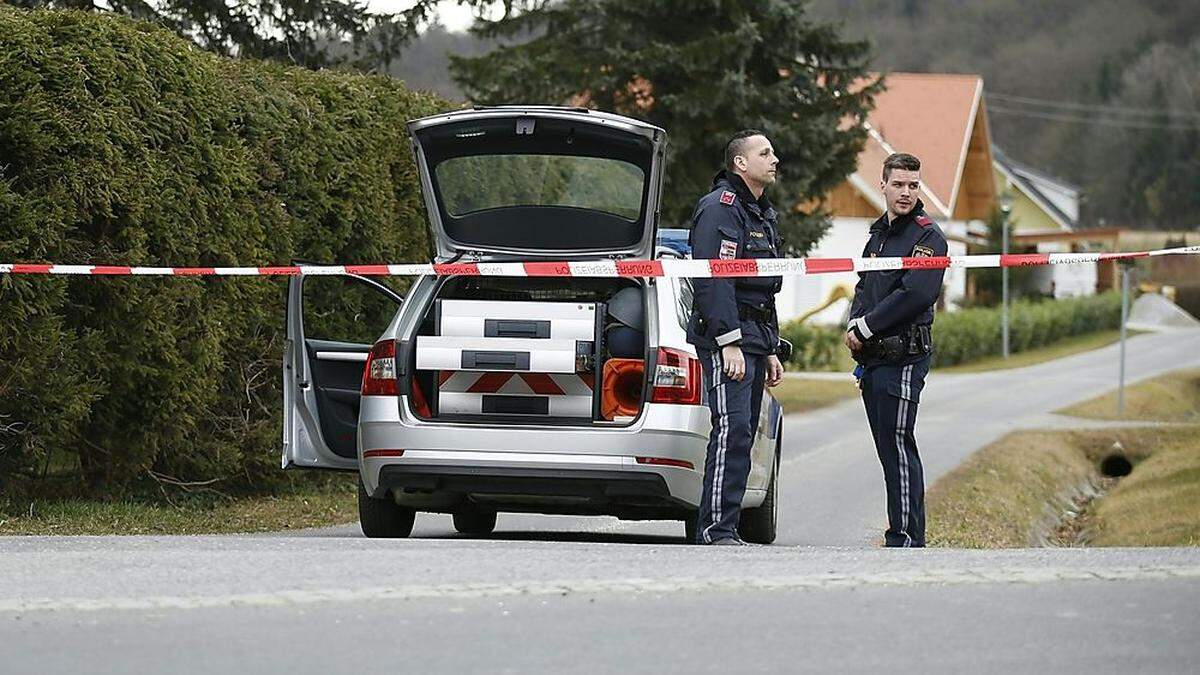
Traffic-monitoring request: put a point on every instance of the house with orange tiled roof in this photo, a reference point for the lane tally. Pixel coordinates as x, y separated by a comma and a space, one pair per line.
940, 118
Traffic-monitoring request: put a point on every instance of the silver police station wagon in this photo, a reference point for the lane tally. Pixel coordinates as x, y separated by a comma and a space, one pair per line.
556, 395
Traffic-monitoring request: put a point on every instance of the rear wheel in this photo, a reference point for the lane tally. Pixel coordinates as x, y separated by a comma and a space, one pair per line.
475, 521
758, 525
383, 518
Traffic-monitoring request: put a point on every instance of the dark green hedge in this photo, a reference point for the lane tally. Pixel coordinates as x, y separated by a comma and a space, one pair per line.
121, 144
973, 334
814, 347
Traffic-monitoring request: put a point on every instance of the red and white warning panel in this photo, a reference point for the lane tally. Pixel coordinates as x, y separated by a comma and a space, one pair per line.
520, 319
529, 355
536, 394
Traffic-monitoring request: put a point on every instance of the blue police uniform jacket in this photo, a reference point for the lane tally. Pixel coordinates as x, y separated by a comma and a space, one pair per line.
730, 223
890, 302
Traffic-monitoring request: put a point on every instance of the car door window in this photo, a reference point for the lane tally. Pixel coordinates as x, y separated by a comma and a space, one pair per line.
346, 309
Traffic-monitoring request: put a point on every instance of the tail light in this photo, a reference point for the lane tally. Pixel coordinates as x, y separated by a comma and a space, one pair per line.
379, 377
677, 377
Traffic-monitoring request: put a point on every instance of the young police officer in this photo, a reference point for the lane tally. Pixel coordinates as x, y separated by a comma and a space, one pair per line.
889, 336
734, 326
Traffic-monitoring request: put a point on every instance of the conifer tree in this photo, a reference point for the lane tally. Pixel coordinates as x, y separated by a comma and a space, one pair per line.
297, 32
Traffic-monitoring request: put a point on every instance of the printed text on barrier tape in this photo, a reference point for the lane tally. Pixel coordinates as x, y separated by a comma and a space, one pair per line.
667, 267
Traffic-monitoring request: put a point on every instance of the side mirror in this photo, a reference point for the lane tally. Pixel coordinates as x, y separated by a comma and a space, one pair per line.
785, 350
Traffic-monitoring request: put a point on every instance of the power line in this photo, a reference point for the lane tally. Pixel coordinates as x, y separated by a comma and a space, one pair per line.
1099, 121
1093, 107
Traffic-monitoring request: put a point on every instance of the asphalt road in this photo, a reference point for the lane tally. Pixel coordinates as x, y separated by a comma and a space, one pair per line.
323, 604
1065, 629
548, 595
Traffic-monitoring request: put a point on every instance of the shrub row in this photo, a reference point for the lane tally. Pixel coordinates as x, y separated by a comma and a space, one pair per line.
973, 334
814, 347
121, 144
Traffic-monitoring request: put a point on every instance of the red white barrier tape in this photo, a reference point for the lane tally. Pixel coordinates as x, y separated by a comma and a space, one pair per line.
666, 267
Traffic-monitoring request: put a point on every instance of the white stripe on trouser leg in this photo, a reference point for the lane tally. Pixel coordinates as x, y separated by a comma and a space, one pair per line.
712, 365
712, 498
906, 387
722, 441
901, 427
902, 467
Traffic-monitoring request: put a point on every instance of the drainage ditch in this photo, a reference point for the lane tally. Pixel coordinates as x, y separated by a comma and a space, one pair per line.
1067, 518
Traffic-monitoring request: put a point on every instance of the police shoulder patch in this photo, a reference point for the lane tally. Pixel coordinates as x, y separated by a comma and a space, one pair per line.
922, 252
728, 249
924, 221
727, 197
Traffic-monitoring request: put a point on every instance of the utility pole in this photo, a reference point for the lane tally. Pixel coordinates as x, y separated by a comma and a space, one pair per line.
1125, 265
1006, 204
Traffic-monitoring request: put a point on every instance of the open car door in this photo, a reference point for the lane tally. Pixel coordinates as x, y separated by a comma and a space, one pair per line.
332, 322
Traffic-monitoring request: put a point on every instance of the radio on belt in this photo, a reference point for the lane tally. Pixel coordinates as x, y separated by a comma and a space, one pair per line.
510, 358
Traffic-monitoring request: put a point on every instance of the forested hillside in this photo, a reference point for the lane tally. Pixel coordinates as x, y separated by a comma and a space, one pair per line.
425, 64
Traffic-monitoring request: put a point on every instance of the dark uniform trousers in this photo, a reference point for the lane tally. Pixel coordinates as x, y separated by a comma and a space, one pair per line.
735, 408
890, 394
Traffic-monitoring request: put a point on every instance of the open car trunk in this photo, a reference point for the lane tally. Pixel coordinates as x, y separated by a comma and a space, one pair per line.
532, 351
532, 182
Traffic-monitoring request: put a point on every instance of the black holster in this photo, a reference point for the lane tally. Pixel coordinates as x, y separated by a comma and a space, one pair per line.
761, 313
895, 349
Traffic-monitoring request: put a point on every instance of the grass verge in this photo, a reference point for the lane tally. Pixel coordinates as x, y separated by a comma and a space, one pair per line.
1058, 350
1013, 492
317, 503
1016, 491
798, 394
1174, 397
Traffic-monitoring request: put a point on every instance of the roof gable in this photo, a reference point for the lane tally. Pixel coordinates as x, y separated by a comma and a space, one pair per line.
1059, 199
930, 116
1032, 186
941, 119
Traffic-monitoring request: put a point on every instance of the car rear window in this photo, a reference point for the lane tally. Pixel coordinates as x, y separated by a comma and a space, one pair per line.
481, 182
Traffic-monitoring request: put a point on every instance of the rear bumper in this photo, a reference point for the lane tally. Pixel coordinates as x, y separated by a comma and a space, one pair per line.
585, 492
561, 470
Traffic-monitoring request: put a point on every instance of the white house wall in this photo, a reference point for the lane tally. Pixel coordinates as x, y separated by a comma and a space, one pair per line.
1075, 280
1065, 281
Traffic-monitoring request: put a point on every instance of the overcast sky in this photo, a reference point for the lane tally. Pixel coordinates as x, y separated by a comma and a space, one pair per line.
452, 15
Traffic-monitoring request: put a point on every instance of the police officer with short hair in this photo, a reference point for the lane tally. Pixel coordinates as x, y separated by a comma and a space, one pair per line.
734, 326
889, 336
